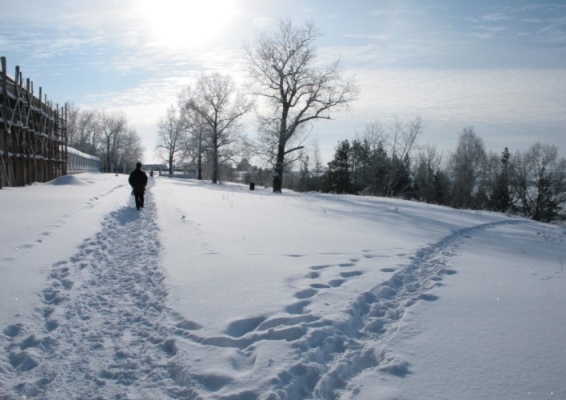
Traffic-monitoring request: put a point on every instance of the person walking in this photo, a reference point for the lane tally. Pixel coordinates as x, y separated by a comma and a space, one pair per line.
138, 182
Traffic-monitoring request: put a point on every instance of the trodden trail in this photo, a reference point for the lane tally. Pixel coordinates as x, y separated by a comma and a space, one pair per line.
375, 317
100, 330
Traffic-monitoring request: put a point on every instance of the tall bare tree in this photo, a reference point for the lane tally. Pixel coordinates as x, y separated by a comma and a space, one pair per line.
425, 173
281, 64
466, 166
401, 139
172, 129
113, 127
131, 149
73, 115
194, 144
83, 129
539, 182
106, 135
220, 107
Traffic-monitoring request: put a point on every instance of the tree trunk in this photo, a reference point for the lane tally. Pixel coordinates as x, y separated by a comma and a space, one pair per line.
108, 155
215, 160
199, 161
278, 171
280, 160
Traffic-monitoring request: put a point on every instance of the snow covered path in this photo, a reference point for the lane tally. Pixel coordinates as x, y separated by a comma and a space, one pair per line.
104, 332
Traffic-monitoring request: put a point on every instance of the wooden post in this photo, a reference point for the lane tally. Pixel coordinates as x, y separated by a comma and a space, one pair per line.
3, 127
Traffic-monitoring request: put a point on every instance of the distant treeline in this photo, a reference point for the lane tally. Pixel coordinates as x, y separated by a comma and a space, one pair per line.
106, 135
386, 161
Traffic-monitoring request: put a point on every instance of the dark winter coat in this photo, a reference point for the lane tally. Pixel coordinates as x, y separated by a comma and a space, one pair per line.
138, 180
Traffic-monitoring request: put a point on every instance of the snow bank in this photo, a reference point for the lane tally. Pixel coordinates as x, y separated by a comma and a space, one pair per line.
67, 180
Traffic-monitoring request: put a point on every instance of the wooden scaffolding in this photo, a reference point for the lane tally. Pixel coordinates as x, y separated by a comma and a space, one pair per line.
33, 133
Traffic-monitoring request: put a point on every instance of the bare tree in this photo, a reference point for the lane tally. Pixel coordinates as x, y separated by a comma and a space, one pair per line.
172, 131
401, 139
316, 158
83, 130
425, 173
106, 135
131, 149
488, 181
113, 127
73, 113
539, 182
466, 166
374, 134
390, 151
281, 66
194, 144
220, 107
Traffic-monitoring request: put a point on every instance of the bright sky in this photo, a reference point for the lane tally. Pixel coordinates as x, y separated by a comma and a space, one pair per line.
498, 65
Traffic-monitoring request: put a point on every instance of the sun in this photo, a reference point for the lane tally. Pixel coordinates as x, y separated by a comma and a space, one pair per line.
185, 24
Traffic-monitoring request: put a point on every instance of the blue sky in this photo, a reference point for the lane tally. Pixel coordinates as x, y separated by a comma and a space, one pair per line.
499, 66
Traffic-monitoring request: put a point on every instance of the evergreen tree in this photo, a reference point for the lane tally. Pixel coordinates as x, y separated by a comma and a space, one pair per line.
377, 172
501, 198
338, 172
359, 162
443, 187
400, 185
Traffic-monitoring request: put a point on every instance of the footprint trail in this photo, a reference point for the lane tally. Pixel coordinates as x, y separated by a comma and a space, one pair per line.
102, 328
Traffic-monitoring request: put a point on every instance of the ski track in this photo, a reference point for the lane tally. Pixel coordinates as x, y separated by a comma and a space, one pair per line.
103, 329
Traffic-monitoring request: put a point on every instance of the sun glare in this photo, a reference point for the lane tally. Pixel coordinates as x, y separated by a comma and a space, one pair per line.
184, 24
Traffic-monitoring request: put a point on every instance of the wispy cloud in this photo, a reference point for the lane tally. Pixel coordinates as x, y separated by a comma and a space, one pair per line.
510, 107
495, 17
482, 36
552, 34
118, 59
545, 7
483, 95
371, 37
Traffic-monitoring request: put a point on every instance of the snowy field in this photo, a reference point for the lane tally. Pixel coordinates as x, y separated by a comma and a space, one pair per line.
219, 292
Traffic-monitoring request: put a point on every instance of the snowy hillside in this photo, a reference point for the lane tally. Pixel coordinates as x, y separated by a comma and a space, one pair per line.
218, 292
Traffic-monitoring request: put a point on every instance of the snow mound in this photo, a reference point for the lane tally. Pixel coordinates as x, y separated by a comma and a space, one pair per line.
67, 180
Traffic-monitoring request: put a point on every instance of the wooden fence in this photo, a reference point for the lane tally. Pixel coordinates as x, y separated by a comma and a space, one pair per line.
79, 162
33, 133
